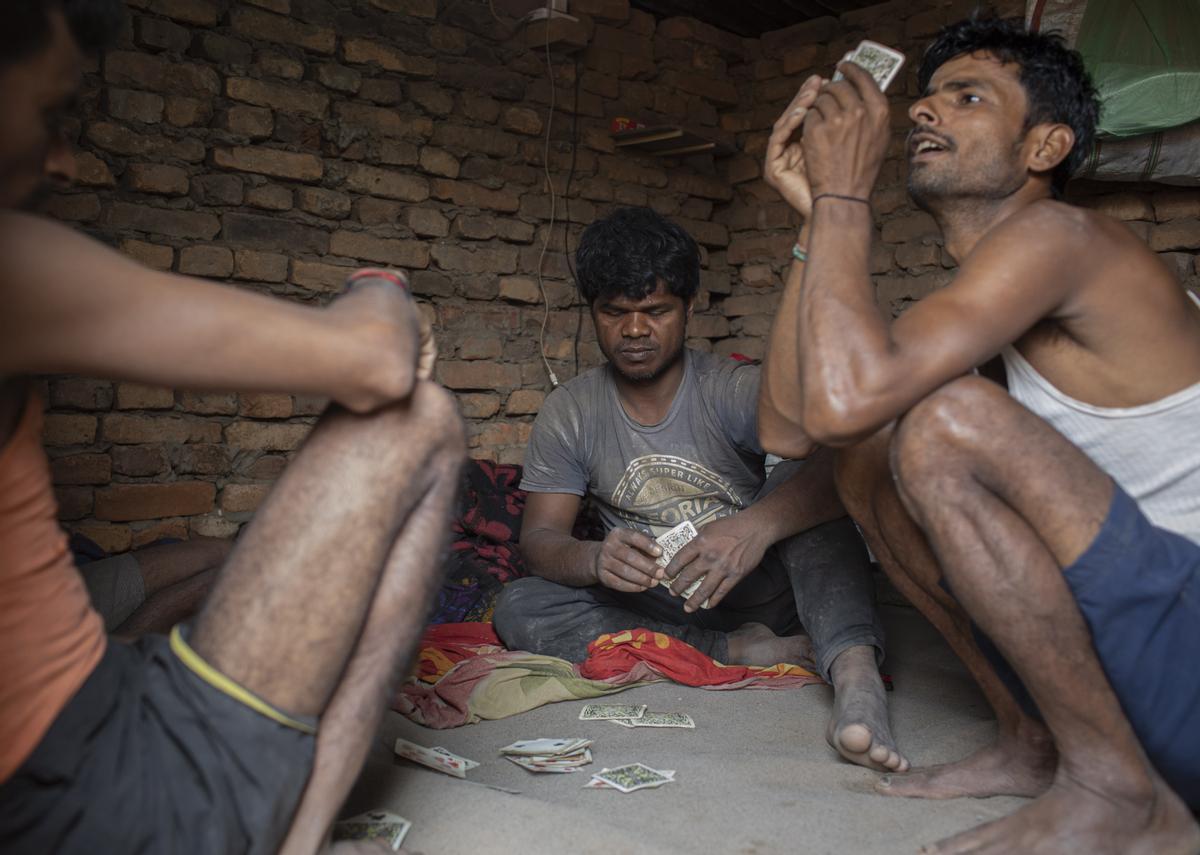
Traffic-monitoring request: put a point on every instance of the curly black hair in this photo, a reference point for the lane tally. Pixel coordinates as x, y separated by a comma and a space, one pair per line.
94, 24
1056, 83
630, 250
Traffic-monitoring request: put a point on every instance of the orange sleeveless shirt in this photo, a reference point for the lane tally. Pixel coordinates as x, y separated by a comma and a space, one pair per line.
50, 636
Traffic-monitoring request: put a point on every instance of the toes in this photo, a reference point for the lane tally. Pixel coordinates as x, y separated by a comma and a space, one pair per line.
856, 739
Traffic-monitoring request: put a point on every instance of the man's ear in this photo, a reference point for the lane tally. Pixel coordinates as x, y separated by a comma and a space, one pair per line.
1049, 145
691, 304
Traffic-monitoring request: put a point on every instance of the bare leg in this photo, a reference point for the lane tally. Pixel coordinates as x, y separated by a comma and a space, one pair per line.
169, 564
1022, 760
326, 593
1003, 526
168, 606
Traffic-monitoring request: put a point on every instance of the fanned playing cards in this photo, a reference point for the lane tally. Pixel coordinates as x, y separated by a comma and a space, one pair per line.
671, 542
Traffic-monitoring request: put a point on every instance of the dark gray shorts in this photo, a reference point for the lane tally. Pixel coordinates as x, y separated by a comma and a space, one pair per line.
116, 587
159, 753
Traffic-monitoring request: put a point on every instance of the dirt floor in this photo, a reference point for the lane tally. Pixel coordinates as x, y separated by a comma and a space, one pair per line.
755, 777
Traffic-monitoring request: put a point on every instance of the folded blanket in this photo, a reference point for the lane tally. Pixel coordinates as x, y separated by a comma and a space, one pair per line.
465, 675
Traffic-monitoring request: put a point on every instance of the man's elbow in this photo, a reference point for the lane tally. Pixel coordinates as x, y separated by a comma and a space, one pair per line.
791, 444
835, 423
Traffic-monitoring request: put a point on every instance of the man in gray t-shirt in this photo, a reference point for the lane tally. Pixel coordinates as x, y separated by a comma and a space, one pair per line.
663, 434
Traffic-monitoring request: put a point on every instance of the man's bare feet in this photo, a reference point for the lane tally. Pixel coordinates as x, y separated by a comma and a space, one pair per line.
1078, 817
755, 644
1021, 765
858, 728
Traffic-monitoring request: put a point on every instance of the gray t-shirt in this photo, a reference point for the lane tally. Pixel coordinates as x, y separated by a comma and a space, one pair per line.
702, 462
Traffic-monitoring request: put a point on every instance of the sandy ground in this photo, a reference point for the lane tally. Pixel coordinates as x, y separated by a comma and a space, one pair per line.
755, 777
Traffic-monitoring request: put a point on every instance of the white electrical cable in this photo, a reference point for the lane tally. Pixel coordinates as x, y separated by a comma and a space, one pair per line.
553, 202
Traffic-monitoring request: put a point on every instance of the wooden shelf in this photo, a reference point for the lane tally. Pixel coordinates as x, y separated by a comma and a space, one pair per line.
667, 141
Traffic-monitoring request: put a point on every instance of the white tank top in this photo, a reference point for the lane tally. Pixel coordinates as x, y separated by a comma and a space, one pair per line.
1152, 450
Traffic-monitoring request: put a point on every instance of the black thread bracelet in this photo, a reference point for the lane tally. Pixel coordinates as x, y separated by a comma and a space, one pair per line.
821, 196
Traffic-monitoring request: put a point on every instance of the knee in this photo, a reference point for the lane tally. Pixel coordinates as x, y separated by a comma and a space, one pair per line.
939, 436
435, 410
515, 611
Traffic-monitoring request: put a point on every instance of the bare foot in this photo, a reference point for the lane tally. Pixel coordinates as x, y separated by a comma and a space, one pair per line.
755, 644
1076, 817
858, 728
1021, 765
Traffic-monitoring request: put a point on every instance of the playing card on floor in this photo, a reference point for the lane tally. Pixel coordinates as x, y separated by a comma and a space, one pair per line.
596, 784
602, 712
635, 776
442, 761
663, 719
378, 825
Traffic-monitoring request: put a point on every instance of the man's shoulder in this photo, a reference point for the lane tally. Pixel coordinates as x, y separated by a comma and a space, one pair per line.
715, 373
580, 394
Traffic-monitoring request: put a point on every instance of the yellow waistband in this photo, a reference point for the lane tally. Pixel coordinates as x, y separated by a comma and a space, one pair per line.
219, 681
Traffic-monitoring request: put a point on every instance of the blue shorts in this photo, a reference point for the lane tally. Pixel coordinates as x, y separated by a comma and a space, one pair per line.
1138, 587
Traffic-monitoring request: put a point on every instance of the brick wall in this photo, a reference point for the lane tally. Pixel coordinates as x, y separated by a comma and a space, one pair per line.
278, 144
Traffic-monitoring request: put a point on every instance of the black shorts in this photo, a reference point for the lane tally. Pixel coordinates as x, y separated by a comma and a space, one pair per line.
159, 753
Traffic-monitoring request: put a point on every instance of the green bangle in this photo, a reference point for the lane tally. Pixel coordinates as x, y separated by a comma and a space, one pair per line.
799, 254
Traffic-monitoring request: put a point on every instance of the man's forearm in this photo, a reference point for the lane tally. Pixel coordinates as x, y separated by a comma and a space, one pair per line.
780, 398
841, 337
804, 498
561, 558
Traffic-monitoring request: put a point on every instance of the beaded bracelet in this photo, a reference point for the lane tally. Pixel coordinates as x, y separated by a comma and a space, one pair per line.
800, 253
394, 276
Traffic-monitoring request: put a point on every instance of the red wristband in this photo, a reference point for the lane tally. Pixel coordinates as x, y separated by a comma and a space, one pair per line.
394, 276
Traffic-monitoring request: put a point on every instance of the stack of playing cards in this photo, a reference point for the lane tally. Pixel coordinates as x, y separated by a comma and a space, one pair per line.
671, 542
435, 758
881, 62
657, 719
635, 776
549, 755
388, 828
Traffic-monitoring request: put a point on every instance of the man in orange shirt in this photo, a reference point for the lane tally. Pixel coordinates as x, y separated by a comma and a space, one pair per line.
205, 742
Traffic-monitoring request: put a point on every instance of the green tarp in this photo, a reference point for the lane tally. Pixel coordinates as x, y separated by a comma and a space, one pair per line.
1144, 57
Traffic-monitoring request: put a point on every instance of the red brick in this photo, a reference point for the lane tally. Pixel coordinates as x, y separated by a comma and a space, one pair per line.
121, 140
427, 222
73, 502
259, 266
134, 430
287, 30
751, 304
912, 255
253, 122
467, 195
92, 171
60, 429
271, 64
75, 207
212, 261
279, 96
339, 78
208, 404
431, 98
476, 347
157, 178
1122, 206
478, 405
270, 197
136, 396
134, 106
82, 469
112, 539
323, 203
138, 461
387, 183
203, 12
243, 498
520, 289
184, 112
163, 221
524, 402
478, 375
80, 393
273, 233
502, 259
320, 277
268, 467
910, 227
1182, 233
266, 436
159, 74
270, 161
125, 502
362, 51
1173, 204
200, 459
402, 253
439, 162
264, 405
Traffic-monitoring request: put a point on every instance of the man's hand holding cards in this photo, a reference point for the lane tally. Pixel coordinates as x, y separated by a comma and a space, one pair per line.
626, 561
705, 565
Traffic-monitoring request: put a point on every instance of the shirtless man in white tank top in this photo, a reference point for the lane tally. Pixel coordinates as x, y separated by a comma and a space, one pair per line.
978, 509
